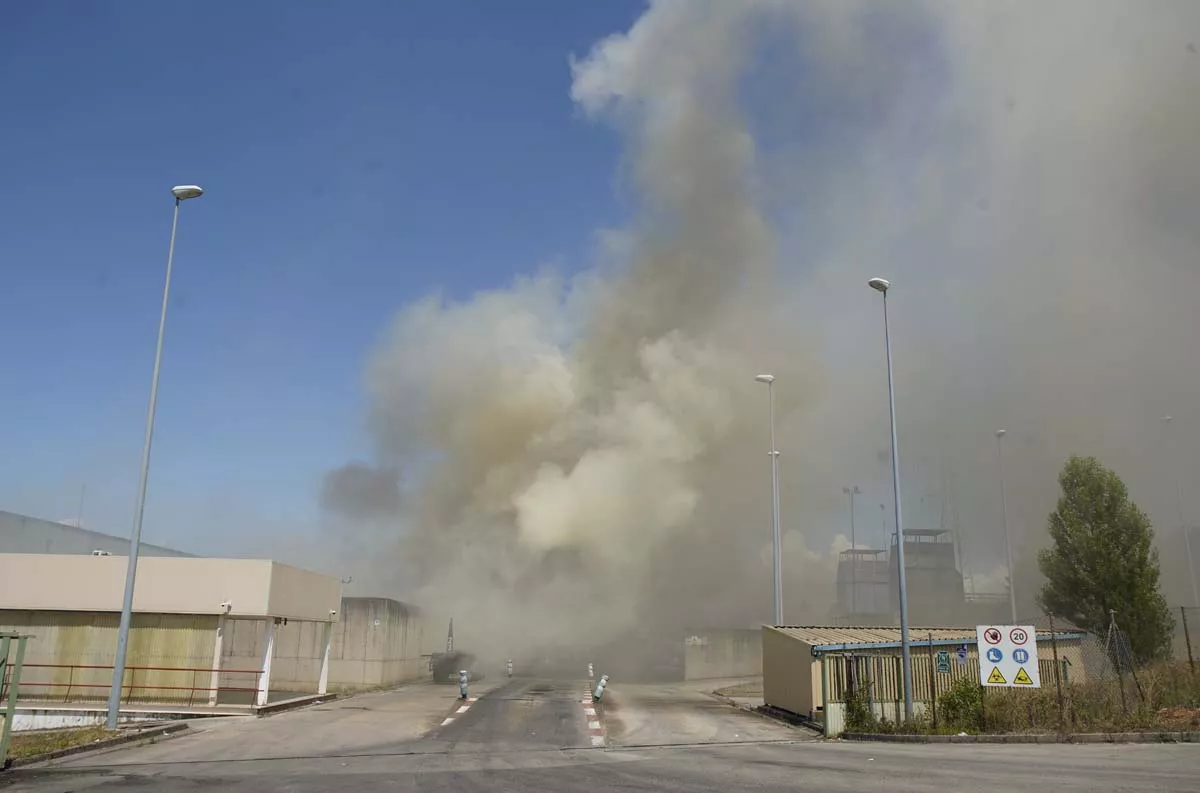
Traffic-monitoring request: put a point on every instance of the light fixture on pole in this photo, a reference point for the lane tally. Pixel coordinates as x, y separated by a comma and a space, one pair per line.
1183, 527
852, 491
776, 540
181, 193
880, 285
1012, 589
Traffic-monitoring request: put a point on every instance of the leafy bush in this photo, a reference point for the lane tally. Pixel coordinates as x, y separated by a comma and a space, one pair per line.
859, 716
961, 706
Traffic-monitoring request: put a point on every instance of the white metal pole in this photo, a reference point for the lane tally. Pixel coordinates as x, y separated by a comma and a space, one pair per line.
114, 696
1187, 540
1012, 586
776, 537
905, 648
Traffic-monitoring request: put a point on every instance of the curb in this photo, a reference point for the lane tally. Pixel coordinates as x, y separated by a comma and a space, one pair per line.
271, 708
1080, 737
121, 740
791, 719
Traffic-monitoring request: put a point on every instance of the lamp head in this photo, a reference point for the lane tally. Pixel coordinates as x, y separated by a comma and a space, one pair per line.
765, 378
185, 191
880, 284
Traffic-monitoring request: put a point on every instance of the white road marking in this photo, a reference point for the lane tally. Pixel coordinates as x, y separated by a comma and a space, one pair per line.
447, 721
593, 725
464, 708
597, 740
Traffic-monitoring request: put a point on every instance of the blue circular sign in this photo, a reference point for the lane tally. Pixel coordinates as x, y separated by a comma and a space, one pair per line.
1021, 656
994, 655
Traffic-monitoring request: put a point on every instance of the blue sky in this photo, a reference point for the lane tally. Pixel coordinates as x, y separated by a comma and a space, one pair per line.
355, 156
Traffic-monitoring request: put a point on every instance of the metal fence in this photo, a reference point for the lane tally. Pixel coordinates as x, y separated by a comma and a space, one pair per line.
1089, 683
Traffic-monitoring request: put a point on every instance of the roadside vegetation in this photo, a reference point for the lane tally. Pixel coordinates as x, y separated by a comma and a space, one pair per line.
1102, 575
31, 744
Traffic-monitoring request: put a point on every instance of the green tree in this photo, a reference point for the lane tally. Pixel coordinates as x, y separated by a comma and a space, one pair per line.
1103, 558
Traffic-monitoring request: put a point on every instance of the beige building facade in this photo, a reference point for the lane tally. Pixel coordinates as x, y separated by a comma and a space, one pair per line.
204, 631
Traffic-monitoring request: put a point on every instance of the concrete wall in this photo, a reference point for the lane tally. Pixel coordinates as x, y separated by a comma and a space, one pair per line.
23, 534
295, 663
722, 653
166, 585
376, 642
791, 676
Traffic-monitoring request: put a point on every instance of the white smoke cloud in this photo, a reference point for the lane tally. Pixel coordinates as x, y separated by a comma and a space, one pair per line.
582, 456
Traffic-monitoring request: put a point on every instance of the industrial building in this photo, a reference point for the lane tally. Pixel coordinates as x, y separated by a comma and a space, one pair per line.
228, 635
868, 584
376, 643
808, 670
25, 534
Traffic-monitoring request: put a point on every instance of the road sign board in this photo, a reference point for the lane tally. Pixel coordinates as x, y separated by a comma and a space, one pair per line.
1008, 656
943, 662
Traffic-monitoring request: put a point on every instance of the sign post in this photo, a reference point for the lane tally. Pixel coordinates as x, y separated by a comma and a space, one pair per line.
1008, 656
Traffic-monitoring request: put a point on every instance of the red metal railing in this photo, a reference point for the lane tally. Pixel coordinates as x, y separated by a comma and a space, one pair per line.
129, 687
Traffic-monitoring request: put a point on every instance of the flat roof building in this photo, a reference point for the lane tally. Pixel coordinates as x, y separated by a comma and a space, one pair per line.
204, 631
25, 534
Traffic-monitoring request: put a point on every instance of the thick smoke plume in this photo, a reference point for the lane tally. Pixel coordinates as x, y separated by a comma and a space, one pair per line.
578, 456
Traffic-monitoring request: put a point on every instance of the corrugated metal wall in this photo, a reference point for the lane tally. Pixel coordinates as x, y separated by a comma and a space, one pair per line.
70, 657
881, 671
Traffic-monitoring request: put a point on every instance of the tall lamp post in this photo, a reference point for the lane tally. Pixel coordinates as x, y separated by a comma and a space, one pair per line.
776, 541
1012, 589
181, 193
880, 285
853, 491
1187, 541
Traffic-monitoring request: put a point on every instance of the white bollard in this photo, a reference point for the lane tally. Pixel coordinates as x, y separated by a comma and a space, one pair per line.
591, 673
600, 688
510, 667
462, 683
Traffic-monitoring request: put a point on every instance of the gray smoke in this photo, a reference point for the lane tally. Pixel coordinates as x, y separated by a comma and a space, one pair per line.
587, 454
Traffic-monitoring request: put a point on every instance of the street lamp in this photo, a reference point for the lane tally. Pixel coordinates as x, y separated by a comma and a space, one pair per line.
853, 491
776, 541
1187, 542
882, 286
1012, 593
181, 193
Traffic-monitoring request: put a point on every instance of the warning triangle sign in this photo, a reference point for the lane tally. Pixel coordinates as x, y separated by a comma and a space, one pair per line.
1022, 678
995, 678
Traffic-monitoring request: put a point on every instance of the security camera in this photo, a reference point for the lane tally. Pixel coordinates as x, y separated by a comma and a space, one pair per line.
226, 606
332, 612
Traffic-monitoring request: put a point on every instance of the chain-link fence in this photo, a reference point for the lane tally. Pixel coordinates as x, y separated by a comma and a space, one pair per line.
1089, 682
1095, 685
1187, 635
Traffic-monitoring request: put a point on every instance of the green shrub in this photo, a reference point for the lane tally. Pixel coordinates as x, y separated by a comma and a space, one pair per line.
961, 706
859, 716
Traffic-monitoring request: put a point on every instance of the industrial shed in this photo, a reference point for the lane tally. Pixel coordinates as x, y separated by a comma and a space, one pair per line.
205, 632
807, 670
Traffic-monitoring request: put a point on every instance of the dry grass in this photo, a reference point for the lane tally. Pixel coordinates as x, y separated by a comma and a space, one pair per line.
29, 744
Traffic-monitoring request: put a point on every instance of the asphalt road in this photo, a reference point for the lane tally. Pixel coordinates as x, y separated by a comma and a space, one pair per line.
532, 736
